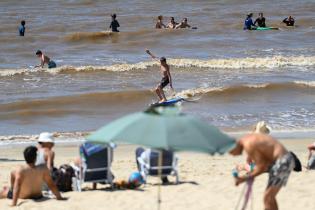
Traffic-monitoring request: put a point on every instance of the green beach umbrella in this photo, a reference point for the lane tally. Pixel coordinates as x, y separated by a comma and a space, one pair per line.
164, 128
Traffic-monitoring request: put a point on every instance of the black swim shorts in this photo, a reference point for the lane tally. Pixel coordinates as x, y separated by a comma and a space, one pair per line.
165, 81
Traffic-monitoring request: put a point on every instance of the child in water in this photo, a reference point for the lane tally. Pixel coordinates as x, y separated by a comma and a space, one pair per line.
45, 60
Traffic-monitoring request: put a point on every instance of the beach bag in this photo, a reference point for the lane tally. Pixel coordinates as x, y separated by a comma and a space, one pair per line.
297, 163
63, 177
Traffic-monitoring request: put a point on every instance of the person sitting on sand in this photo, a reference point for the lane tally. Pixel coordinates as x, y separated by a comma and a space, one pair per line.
249, 22
268, 155
183, 24
159, 24
172, 24
26, 181
289, 21
114, 25
45, 154
45, 60
22, 28
166, 77
261, 20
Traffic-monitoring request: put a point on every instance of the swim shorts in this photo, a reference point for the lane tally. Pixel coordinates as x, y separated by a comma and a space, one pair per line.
165, 81
52, 64
280, 171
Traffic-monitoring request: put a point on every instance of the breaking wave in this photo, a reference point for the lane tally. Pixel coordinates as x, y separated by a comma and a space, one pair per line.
233, 63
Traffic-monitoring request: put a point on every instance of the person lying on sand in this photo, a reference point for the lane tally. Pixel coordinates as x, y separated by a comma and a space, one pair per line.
159, 24
268, 155
166, 77
45, 60
183, 24
27, 181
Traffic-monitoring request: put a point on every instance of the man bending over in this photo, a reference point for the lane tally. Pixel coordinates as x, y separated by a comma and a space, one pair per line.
270, 156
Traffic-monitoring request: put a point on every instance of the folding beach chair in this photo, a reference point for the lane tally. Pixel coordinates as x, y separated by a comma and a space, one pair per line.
151, 167
96, 163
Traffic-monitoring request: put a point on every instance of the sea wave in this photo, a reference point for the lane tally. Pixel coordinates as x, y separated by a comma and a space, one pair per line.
232, 63
79, 36
89, 103
246, 89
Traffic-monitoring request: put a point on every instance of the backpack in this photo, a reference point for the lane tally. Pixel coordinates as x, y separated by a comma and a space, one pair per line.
297, 163
63, 177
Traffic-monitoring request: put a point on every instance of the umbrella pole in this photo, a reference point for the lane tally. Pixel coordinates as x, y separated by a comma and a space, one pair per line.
160, 160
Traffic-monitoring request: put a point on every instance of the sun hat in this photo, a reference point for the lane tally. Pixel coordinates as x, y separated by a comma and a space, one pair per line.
262, 127
46, 137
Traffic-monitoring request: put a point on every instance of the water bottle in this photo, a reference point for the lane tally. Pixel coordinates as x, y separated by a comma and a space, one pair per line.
234, 173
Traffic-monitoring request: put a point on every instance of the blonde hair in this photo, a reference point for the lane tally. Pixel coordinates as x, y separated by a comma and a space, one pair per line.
262, 127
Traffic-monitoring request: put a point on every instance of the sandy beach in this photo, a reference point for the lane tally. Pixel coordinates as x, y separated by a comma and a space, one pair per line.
205, 183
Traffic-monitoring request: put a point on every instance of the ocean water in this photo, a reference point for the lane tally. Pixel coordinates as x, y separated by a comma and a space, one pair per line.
241, 77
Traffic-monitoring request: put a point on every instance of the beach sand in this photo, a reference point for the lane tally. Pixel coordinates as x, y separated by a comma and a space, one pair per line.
206, 183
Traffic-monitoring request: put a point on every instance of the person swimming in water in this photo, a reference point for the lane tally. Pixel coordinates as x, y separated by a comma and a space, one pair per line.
45, 60
172, 24
22, 28
114, 25
289, 21
183, 24
248, 24
166, 77
159, 24
261, 20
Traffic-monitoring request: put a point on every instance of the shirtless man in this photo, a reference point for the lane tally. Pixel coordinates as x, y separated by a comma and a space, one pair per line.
183, 24
45, 60
166, 77
26, 182
269, 156
172, 24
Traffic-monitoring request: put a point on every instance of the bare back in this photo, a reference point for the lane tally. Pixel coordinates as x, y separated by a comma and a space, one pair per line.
32, 180
263, 149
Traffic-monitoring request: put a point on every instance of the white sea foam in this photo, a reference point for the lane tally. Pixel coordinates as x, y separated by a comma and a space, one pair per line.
232, 63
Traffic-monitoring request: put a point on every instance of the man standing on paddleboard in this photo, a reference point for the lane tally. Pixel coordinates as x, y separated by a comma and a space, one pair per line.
166, 77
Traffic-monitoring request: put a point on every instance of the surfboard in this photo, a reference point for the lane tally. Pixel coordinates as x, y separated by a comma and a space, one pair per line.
171, 101
266, 28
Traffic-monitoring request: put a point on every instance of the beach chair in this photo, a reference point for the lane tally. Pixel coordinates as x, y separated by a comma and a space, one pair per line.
96, 164
151, 167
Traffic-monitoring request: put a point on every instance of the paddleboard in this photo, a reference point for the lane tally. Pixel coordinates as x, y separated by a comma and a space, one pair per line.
266, 28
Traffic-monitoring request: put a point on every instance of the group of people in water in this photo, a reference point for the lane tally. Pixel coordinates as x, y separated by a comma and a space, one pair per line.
249, 24
260, 21
172, 23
